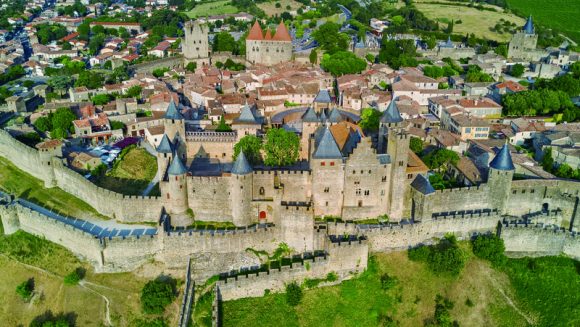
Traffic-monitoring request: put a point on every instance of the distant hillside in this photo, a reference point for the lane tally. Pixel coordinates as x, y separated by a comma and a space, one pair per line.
561, 15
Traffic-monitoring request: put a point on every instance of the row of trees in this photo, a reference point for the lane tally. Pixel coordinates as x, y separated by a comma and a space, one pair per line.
280, 148
538, 102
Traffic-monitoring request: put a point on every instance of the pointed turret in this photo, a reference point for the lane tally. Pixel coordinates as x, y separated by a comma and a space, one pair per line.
241, 166
165, 145
247, 116
310, 116
172, 112
255, 33
176, 167
282, 33
268, 35
392, 114
529, 26
326, 147
335, 116
502, 160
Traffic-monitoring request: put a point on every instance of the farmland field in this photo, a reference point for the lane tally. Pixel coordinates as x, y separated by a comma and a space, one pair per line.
478, 22
562, 15
220, 7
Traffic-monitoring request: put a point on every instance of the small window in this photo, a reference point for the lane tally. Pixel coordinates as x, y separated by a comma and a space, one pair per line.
514, 192
358, 191
262, 191
167, 196
326, 189
360, 203
384, 179
532, 191
367, 192
327, 203
332, 163
400, 163
323, 163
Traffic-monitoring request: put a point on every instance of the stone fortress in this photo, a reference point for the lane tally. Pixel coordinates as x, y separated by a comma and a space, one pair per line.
353, 178
523, 44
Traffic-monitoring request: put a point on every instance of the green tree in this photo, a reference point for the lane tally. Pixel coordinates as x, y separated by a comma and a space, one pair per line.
281, 147
575, 69
222, 126
4, 93
440, 157
191, 67
43, 124
61, 121
447, 257
159, 72
501, 50
370, 119
25, 289
156, 295
489, 247
224, 41
293, 294
251, 145
91, 80
101, 99
343, 62
330, 38
313, 57
442, 316
416, 145
74, 277
431, 42
134, 91
60, 83
517, 70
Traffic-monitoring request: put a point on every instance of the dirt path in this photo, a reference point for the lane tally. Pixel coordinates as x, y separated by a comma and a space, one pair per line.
82, 284
509, 301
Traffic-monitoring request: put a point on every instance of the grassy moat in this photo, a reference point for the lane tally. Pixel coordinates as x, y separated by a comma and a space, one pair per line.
394, 291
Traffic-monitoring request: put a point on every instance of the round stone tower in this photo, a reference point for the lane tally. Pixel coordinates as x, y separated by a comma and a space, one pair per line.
241, 191
176, 193
499, 180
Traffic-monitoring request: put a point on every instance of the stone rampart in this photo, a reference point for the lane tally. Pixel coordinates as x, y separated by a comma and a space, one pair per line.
150, 66
538, 240
344, 259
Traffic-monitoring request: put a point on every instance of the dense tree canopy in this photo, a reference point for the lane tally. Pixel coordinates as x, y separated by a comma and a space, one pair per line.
90, 79
156, 295
330, 38
536, 102
224, 41
370, 119
281, 147
251, 145
398, 53
342, 62
47, 33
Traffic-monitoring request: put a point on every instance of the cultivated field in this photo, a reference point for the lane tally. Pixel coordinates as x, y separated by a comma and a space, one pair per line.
473, 21
562, 15
270, 7
212, 8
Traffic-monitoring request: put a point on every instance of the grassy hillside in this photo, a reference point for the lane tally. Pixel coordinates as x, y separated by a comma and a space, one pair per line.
16, 181
479, 295
219, 7
562, 15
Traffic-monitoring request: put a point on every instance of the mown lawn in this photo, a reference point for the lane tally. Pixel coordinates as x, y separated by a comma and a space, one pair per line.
562, 15
131, 173
21, 184
408, 301
219, 7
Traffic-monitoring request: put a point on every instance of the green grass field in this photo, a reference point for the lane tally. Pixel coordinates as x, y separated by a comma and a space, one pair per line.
562, 15
21, 184
131, 174
23, 256
521, 293
219, 7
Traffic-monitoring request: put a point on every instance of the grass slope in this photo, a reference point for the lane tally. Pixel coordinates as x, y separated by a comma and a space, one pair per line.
54, 262
220, 7
562, 15
474, 21
131, 174
411, 301
21, 184
270, 7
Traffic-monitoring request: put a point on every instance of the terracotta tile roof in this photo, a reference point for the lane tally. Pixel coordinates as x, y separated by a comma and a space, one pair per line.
49, 144
282, 33
268, 35
255, 32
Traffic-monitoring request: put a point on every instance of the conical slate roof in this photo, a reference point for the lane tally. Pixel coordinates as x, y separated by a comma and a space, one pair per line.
247, 116
529, 26
335, 116
502, 160
392, 114
176, 167
241, 166
323, 96
422, 184
172, 111
310, 116
327, 147
323, 116
165, 145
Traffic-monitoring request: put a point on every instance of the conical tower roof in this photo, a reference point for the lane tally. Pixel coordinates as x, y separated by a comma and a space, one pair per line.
255, 33
422, 184
502, 160
327, 147
335, 116
246, 116
176, 167
529, 26
241, 166
165, 145
282, 33
392, 114
310, 116
172, 111
268, 35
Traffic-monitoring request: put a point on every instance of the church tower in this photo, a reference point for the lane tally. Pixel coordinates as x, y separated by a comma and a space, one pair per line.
499, 180
196, 43
523, 43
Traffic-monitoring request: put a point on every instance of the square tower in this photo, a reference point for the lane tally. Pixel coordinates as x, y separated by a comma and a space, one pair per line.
196, 43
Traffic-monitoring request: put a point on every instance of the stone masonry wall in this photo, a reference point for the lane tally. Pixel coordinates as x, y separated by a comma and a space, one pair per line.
535, 241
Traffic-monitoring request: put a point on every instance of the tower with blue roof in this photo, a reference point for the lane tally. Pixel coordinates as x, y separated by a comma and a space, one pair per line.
499, 180
241, 190
523, 43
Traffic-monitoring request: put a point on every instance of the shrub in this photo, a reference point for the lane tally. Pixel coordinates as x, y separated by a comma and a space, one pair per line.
420, 253
156, 295
331, 277
489, 247
388, 282
75, 276
293, 294
447, 257
25, 289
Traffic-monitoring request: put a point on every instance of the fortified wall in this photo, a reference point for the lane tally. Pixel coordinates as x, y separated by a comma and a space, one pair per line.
538, 240
54, 172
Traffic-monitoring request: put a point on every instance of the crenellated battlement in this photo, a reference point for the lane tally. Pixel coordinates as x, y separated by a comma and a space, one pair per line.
211, 136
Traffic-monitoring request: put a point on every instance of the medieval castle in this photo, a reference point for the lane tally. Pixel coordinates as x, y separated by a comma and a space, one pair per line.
261, 48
